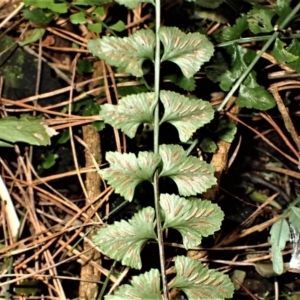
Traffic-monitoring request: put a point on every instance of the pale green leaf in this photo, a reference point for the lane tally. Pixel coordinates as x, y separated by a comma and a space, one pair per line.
144, 286
131, 4
126, 171
35, 35
277, 260
128, 53
198, 282
189, 51
281, 54
295, 217
255, 96
124, 240
191, 175
28, 130
259, 20
130, 112
193, 218
186, 114
78, 18
280, 234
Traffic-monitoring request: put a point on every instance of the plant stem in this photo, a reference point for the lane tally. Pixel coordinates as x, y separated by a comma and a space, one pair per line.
156, 150
257, 57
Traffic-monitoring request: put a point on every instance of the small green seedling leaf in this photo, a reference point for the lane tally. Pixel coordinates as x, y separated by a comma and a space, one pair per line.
95, 27
208, 145
128, 53
38, 16
131, 4
78, 18
189, 51
191, 175
35, 35
60, 8
294, 48
208, 3
124, 240
186, 114
226, 131
84, 66
126, 171
130, 112
144, 286
281, 54
50, 161
198, 282
259, 20
187, 84
28, 130
295, 217
119, 26
233, 32
193, 218
280, 234
91, 2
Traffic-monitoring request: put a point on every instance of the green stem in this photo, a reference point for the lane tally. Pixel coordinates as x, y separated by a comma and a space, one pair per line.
256, 39
156, 150
258, 56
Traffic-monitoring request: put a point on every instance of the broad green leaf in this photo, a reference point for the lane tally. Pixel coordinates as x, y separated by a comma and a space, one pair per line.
208, 3
144, 286
295, 217
3, 144
28, 130
255, 96
280, 234
226, 131
208, 145
294, 48
193, 218
35, 35
131, 4
128, 53
198, 282
95, 27
281, 54
49, 4
100, 11
191, 175
130, 112
126, 171
186, 114
232, 32
283, 9
38, 16
240, 58
78, 18
124, 240
119, 26
189, 51
259, 20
